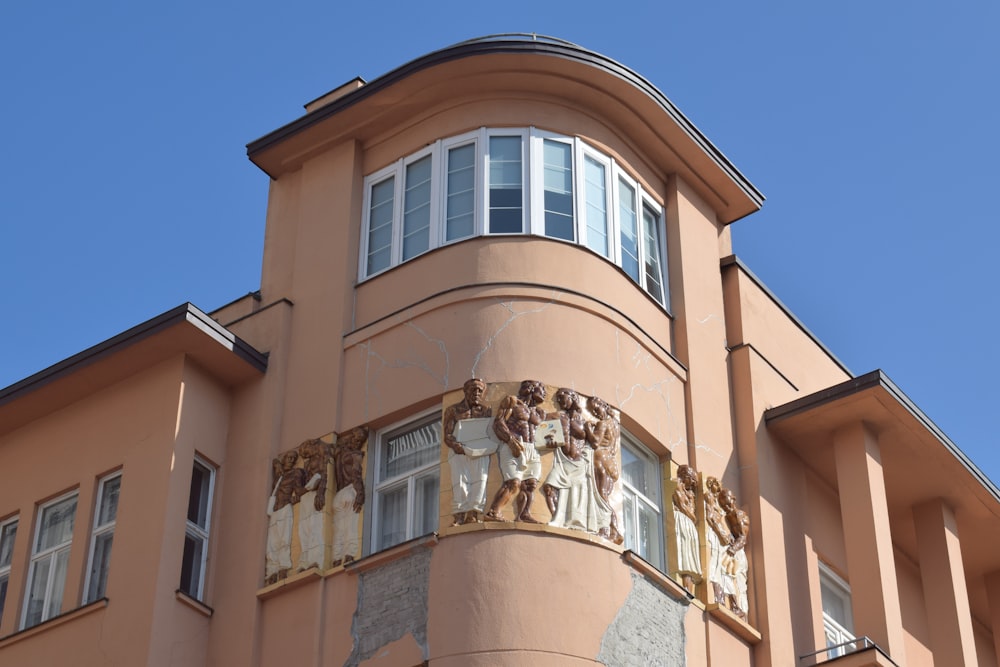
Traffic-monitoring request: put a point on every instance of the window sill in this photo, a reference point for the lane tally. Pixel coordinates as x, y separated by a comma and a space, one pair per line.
197, 605
55, 621
740, 627
392, 553
288, 583
648, 570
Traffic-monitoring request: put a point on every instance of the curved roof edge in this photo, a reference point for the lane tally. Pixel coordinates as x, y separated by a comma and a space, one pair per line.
518, 44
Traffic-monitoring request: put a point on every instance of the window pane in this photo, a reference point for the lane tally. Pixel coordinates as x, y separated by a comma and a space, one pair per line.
99, 566
425, 500
58, 584
506, 186
3, 593
57, 524
628, 510
637, 472
392, 517
411, 449
460, 215
417, 208
649, 541
558, 159
380, 225
201, 480
629, 229
194, 548
597, 211
7, 534
36, 596
109, 501
654, 274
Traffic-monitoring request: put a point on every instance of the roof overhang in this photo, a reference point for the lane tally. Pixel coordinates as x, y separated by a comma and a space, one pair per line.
182, 330
512, 65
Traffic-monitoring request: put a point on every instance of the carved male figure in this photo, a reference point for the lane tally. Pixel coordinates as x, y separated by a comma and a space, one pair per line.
718, 536
288, 487
688, 564
520, 466
570, 490
739, 526
315, 457
604, 435
349, 476
468, 473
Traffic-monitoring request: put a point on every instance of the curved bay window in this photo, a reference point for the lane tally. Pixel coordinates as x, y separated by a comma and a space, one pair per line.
513, 181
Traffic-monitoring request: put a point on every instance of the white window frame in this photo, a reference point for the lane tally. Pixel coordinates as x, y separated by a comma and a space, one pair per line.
410, 477
5, 528
52, 554
201, 533
98, 531
532, 199
836, 631
631, 442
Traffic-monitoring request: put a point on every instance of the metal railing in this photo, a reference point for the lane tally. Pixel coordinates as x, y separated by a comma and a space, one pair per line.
832, 652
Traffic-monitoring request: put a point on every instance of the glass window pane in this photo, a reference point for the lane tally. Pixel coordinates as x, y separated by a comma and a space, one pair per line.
636, 471
628, 511
654, 274
7, 535
3, 593
191, 563
99, 566
411, 449
597, 211
649, 534
380, 225
460, 215
506, 187
36, 596
109, 500
198, 501
417, 208
629, 229
57, 524
425, 500
58, 584
392, 517
558, 189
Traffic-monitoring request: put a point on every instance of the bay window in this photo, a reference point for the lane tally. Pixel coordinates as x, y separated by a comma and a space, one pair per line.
49, 560
406, 482
513, 181
641, 502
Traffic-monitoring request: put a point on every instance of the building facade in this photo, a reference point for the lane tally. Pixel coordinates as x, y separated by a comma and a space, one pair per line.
505, 396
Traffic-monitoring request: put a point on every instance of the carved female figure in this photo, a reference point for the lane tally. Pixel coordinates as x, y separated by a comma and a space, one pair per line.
604, 435
718, 537
688, 564
288, 487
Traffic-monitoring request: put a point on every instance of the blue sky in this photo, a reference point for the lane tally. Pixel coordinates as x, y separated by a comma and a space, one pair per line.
870, 127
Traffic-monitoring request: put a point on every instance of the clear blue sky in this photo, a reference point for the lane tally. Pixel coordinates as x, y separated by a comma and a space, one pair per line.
871, 127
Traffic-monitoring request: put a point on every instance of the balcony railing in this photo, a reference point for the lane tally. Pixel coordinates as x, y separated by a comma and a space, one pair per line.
842, 648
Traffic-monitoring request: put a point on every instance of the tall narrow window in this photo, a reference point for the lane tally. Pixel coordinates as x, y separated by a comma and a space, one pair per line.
417, 208
406, 487
653, 266
597, 207
100, 542
196, 534
8, 530
629, 224
641, 505
380, 225
49, 559
506, 186
558, 189
838, 622
461, 206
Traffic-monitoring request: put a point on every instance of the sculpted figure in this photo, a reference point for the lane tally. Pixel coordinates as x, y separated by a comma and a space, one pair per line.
288, 487
738, 568
688, 565
315, 456
570, 490
349, 475
718, 536
520, 466
469, 472
604, 435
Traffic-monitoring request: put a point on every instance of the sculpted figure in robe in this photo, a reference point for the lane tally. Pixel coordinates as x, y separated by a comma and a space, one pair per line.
288, 485
738, 567
349, 475
520, 465
604, 435
315, 456
688, 565
469, 469
718, 536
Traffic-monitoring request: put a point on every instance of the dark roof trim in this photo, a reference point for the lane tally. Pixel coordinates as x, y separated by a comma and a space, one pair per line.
520, 44
184, 313
733, 260
871, 380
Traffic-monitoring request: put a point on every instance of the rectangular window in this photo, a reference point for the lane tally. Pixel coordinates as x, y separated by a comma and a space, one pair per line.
629, 225
596, 206
641, 504
838, 622
199, 516
417, 208
557, 189
506, 186
380, 215
461, 197
406, 484
49, 559
8, 531
651, 247
105, 515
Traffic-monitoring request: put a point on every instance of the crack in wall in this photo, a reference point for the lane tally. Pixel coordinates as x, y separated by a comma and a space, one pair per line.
441, 346
507, 305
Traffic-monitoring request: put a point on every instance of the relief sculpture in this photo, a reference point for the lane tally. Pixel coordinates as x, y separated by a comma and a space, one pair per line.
604, 435
688, 562
736, 566
520, 465
718, 537
349, 475
466, 426
315, 455
288, 485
